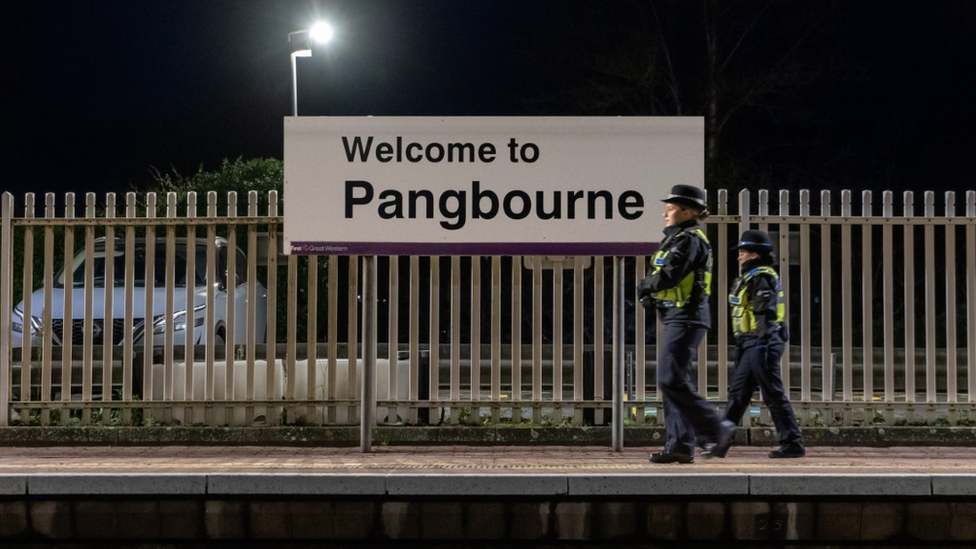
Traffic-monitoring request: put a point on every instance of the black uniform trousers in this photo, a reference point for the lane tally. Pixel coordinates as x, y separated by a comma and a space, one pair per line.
686, 413
758, 366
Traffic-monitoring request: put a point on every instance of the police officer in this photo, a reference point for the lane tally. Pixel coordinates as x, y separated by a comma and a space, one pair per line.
678, 285
758, 314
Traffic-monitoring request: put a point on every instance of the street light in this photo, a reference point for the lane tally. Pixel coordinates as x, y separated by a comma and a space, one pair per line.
301, 46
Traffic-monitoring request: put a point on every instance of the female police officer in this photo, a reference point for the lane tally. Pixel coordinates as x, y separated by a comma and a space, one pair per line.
678, 285
758, 311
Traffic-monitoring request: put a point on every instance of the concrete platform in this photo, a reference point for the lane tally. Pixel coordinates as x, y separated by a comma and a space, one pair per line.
835, 494
479, 470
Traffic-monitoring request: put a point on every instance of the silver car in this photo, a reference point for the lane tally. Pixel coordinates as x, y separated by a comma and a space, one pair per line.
235, 287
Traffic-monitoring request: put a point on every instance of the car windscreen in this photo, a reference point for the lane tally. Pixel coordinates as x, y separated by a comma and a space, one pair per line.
139, 266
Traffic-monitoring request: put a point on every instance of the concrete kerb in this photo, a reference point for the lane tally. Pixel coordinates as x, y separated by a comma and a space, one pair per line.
13, 485
490, 485
854, 485
718, 484
954, 485
477, 485
134, 484
295, 484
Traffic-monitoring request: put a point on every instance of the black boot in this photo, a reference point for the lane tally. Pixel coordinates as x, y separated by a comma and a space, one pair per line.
672, 456
788, 451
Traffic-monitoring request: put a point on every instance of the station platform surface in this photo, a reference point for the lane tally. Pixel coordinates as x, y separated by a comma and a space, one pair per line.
916, 472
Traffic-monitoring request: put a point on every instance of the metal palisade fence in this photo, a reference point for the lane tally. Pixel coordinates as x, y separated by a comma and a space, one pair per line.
187, 313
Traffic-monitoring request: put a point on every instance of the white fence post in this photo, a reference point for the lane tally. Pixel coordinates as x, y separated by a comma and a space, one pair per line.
826, 300
6, 289
950, 300
971, 294
930, 312
867, 299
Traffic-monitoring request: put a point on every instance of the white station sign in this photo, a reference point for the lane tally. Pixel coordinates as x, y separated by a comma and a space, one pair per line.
484, 185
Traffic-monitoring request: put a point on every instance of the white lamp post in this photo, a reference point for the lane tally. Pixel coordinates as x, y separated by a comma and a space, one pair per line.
301, 46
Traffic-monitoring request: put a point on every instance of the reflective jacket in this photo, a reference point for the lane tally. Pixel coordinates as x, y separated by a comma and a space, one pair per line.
757, 304
679, 278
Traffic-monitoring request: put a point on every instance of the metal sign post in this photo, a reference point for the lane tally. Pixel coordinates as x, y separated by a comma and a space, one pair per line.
367, 419
617, 416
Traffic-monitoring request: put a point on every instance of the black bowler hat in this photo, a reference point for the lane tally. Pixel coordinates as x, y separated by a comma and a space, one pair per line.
754, 241
688, 196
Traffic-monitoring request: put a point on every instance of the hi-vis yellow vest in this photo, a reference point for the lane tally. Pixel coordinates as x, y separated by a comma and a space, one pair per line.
680, 294
743, 317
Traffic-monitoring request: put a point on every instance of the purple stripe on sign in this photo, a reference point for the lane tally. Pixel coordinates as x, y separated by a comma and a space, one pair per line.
473, 248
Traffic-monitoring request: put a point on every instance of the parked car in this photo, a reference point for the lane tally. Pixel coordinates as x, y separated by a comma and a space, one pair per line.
73, 280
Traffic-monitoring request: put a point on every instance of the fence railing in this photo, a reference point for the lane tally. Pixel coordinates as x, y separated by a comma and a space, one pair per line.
187, 313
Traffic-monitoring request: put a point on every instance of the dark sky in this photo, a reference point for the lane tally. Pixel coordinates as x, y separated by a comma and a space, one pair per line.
859, 95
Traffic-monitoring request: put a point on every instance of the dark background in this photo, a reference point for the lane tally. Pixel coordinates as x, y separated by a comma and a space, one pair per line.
816, 95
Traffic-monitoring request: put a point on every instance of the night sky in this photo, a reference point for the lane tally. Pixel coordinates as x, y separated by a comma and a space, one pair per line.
835, 95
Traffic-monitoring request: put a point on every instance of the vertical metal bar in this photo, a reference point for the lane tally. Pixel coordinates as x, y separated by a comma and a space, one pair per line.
88, 323
909, 247
784, 279
702, 365
745, 216
332, 375
888, 277
763, 211
368, 389
433, 385
353, 325
252, 297
169, 310
210, 381
658, 338
6, 292
806, 299
230, 334
516, 338
149, 275
640, 344
311, 337
271, 329
847, 298
971, 295
720, 289
26, 381
393, 317
745, 204
476, 328
577, 341
536, 338
67, 326
867, 298
598, 330
190, 294
47, 334
617, 415
826, 300
557, 342
950, 297
128, 334
930, 305
455, 334
414, 335
291, 338
108, 319
496, 335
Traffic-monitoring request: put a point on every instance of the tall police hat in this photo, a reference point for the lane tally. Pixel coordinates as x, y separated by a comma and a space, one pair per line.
755, 241
687, 196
